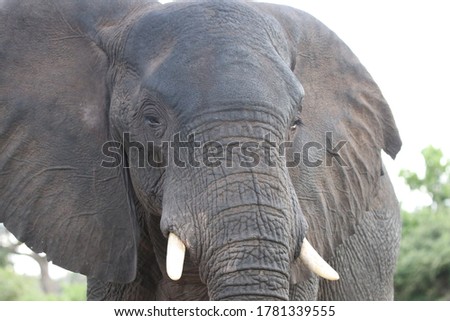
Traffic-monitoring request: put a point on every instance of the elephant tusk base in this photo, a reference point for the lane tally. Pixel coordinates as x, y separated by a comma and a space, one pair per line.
316, 263
175, 257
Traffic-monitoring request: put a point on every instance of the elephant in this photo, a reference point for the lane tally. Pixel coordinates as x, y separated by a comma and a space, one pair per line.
198, 150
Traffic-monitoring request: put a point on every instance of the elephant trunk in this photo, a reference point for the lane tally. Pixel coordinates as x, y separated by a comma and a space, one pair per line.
249, 270
251, 244
242, 226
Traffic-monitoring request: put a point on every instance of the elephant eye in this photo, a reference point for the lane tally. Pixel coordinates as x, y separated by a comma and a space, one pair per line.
152, 121
296, 123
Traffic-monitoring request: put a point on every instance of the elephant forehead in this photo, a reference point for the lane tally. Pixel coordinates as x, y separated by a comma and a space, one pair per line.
209, 54
192, 27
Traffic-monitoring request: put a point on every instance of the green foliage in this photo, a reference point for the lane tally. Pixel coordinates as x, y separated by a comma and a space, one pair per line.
436, 182
3, 257
423, 270
25, 288
14, 287
73, 292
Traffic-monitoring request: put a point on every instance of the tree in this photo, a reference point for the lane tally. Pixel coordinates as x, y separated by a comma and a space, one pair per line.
9, 245
423, 269
27, 288
436, 182
14, 287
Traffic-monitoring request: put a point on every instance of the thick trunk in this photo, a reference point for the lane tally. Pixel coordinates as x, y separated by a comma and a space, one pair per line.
242, 225
252, 270
252, 242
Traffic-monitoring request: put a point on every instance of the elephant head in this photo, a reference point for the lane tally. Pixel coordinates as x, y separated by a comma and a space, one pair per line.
128, 119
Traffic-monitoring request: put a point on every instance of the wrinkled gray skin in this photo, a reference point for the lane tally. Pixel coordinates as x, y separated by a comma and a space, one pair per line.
75, 74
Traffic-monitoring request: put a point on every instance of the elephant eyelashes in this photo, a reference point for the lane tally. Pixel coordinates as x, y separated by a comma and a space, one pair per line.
152, 121
156, 124
296, 123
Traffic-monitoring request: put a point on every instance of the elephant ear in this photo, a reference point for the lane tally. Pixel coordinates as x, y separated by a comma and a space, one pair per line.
345, 113
54, 194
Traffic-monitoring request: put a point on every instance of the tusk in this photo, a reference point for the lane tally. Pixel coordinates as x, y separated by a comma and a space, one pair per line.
316, 263
175, 257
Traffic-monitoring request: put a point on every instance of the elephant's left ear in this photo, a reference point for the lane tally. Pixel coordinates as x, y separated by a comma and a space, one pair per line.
344, 110
54, 118
338, 88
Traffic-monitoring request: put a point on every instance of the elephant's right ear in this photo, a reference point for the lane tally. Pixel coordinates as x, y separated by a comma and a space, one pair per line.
54, 194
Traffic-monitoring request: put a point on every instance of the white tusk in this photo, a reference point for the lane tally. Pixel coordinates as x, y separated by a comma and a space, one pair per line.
175, 257
316, 263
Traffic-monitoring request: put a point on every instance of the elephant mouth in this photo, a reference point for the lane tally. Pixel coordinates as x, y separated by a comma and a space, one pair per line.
308, 256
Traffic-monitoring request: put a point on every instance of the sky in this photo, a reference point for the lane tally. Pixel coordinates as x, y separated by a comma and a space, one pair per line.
405, 45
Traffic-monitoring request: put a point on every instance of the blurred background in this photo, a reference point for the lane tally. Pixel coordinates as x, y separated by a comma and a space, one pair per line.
405, 45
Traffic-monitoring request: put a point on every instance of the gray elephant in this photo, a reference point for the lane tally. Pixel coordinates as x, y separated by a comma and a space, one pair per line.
202, 150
